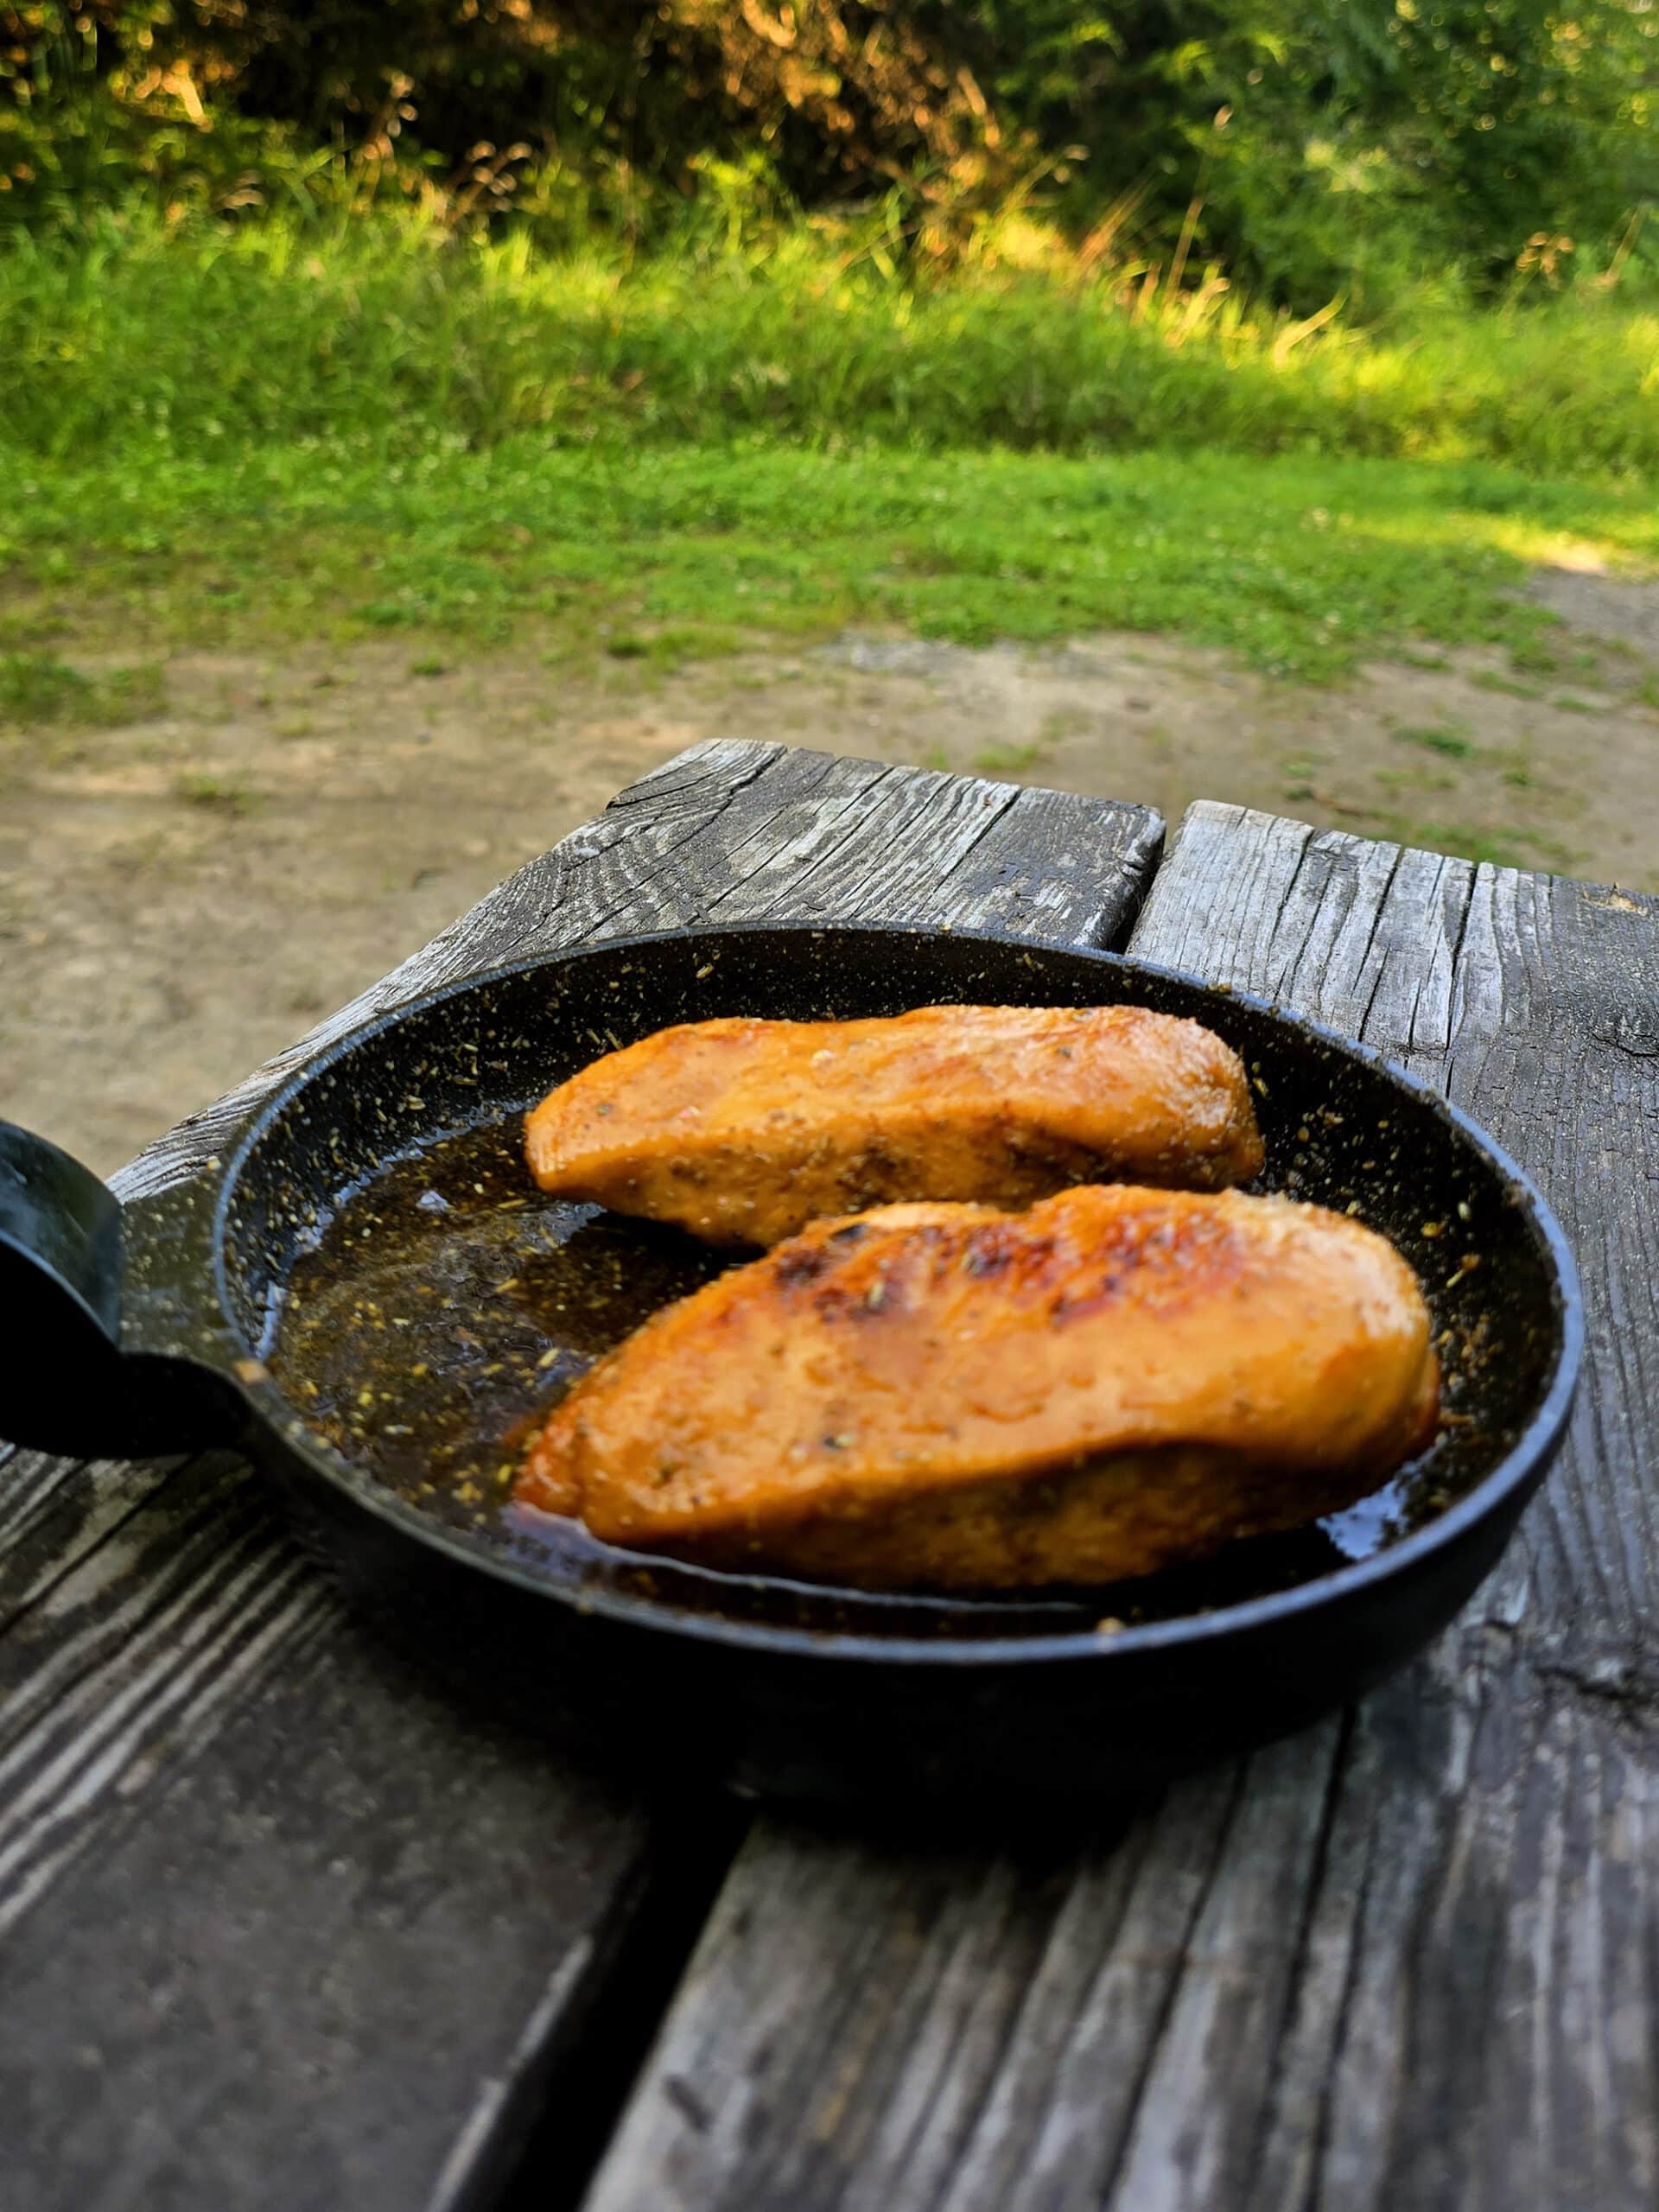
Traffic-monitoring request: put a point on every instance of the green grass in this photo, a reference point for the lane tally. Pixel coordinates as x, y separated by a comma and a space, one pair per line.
1502, 847
392, 430
220, 794
1010, 760
1449, 742
1487, 679
195, 337
1299, 565
1415, 780
37, 688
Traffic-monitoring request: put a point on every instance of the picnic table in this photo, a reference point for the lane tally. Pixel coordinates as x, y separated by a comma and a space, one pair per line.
283, 1925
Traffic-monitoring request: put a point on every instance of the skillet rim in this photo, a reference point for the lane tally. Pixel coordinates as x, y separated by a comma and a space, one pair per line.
1524, 1461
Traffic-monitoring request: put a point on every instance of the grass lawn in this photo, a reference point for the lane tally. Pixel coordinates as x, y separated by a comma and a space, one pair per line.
282, 430
668, 552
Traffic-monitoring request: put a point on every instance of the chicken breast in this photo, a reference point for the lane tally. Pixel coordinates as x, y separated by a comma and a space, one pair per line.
944, 1397
743, 1131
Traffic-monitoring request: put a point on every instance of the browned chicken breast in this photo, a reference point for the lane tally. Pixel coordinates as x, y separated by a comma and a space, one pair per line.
743, 1131
945, 1396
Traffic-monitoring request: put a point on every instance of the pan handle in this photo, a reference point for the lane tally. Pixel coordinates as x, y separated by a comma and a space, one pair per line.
68, 1382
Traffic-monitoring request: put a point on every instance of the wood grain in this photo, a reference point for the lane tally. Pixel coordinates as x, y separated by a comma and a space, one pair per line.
1410, 1958
286, 1930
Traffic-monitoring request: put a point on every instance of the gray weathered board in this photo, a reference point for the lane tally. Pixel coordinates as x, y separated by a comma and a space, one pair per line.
1405, 1962
278, 1926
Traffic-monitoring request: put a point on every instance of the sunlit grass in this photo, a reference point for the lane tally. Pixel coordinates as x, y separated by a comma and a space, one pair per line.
1299, 565
395, 332
288, 430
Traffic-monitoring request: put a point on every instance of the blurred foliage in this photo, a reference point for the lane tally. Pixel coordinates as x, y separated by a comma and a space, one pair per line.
1308, 148
387, 328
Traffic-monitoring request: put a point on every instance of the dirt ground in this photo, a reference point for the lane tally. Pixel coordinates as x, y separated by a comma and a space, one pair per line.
181, 897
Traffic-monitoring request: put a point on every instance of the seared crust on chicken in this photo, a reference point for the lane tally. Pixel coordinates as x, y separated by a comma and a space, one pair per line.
943, 1396
743, 1131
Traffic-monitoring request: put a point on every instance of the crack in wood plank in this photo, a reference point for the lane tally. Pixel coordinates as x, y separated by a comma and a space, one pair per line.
78, 1505
1274, 2094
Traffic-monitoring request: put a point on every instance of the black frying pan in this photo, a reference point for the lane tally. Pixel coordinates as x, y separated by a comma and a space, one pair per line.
368, 1294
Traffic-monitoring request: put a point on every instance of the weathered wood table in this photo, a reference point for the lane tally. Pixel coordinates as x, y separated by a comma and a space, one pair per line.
281, 1928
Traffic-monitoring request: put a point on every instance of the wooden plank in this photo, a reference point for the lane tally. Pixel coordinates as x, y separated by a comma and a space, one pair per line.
1408, 1958
286, 1928
293, 1973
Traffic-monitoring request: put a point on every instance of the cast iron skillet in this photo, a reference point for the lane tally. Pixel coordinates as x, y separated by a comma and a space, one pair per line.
367, 1293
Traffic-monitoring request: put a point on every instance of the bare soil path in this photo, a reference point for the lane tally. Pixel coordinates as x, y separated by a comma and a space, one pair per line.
181, 896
